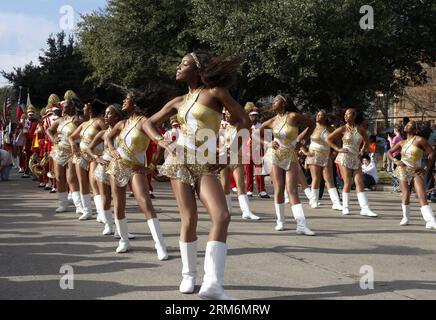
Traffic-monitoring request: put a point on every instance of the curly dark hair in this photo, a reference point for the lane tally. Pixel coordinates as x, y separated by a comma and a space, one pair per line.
217, 71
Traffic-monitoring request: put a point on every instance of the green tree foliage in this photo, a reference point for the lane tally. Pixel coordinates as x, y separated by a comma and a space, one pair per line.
316, 49
61, 68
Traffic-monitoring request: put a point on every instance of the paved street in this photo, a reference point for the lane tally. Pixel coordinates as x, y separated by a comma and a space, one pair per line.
262, 263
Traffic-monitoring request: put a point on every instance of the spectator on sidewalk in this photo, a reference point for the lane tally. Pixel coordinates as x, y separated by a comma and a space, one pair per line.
370, 175
5, 165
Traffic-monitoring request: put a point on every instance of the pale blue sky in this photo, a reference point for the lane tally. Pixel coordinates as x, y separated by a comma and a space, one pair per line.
26, 24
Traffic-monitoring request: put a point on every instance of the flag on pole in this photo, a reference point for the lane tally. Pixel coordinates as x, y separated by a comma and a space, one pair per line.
20, 107
28, 99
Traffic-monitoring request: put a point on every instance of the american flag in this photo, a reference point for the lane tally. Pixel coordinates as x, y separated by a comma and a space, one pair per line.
6, 108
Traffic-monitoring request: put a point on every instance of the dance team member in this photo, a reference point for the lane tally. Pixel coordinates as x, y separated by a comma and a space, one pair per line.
127, 165
208, 79
285, 165
354, 144
410, 172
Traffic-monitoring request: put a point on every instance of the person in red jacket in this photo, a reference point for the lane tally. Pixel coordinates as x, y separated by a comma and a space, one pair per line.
30, 125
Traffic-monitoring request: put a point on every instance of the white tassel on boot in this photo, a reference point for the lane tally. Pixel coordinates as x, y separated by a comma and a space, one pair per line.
70, 198
188, 252
156, 233
124, 244
334, 196
427, 214
108, 223
345, 203
308, 193
77, 200
245, 208
286, 197
98, 201
229, 202
364, 206
280, 213
87, 207
63, 202
406, 214
214, 264
315, 198
302, 227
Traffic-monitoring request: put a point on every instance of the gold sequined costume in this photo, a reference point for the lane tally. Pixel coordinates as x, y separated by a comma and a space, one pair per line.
193, 117
100, 172
88, 134
319, 147
61, 152
286, 136
351, 141
132, 145
411, 156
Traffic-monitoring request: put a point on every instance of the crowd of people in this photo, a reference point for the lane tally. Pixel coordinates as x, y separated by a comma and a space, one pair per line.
91, 154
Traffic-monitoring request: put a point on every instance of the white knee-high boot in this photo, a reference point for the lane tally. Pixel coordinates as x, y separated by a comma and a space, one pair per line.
87, 207
108, 223
427, 214
63, 202
98, 201
302, 227
70, 197
406, 214
334, 196
280, 213
117, 236
156, 233
75, 196
245, 208
308, 193
286, 197
345, 203
214, 264
364, 205
188, 253
229, 202
124, 244
315, 198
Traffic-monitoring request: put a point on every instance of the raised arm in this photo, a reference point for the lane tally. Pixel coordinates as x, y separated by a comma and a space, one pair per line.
335, 136
108, 140
52, 131
365, 142
72, 139
267, 125
99, 138
152, 125
429, 150
237, 113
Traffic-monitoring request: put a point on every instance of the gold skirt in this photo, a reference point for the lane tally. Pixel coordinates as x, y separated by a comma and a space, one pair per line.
284, 157
122, 171
62, 154
406, 174
349, 161
320, 158
186, 173
84, 160
100, 174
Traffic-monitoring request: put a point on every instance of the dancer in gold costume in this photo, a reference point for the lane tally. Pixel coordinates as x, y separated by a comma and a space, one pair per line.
409, 170
113, 116
62, 156
354, 145
127, 165
285, 166
199, 113
320, 162
84, 164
